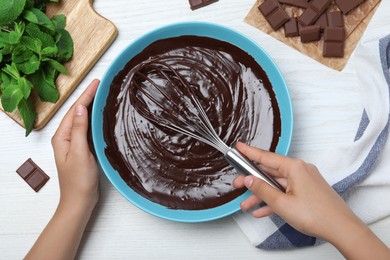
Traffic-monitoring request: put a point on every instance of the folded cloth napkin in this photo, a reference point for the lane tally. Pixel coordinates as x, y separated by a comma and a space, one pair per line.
359, 171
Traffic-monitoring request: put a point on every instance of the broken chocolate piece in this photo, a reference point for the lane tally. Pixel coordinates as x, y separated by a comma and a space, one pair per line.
33, 175
334, 39
335, 19
314, 11
348, 5
195, 4
296, 3
274, 14
322, 22
291, 28
310, 33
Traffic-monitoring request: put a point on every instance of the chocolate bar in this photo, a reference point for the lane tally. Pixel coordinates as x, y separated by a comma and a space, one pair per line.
296, 3
348, 5
195, 4
334, 39
291, 28
314, 11
274, 14
33, 175
322, 21
310, 33
335, 19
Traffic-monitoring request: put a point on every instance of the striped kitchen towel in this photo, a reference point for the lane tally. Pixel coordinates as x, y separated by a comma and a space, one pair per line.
359, 171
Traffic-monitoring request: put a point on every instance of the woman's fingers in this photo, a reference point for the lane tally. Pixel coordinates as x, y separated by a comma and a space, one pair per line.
250, 202
262, 212
266, 159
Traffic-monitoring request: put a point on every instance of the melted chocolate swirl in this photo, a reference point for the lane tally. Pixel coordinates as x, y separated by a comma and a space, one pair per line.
175, 170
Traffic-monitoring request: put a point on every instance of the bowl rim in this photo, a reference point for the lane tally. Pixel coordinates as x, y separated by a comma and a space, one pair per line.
205, 29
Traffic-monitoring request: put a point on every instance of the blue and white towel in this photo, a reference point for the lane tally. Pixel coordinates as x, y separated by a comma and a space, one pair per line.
359, 171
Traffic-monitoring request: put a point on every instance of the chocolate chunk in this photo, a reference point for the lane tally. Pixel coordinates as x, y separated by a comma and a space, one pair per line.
314, 11
322, 22
348, 5
320, 5
334, 39
274, 14
308, 17
310, 33
334, 34
33, 175
195, 4
335, 19
291, 28
297, 3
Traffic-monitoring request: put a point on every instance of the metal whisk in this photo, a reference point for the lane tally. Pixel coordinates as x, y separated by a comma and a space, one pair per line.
163, 86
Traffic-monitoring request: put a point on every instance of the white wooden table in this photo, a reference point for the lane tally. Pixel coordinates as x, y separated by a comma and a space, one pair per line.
327, 108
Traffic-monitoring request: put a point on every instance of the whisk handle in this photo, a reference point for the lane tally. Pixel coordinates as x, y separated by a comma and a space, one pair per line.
246, 166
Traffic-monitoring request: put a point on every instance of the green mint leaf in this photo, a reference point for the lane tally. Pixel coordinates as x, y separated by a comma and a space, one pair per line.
31, 43
21, 54
45, 86
34, 31
7, 49
19, 28
65, 46
36, 16
1, 57
57, 66
30, 66
11, 37
50, 51
29, 4
25, 86
5, 79
11, 97
3, 38
12, 71
59, 21
28, 114
10, 10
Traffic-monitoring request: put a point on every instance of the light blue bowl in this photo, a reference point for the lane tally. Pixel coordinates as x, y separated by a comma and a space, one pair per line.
175, 30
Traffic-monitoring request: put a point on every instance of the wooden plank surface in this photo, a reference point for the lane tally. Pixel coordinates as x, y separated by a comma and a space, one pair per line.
92, 35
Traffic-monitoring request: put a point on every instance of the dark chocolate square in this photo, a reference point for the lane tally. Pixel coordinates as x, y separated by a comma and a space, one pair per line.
33, 174
268, 7
319, 6
348, 5
336, 34
278, 18
297, 3
310, 33
37, 179
333, 49
195, 4
26, 168
335, 19
322, 22
291, 28
308, 17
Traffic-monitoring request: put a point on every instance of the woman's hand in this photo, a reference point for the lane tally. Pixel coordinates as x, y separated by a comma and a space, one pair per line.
79, 182
310, 205
77, 170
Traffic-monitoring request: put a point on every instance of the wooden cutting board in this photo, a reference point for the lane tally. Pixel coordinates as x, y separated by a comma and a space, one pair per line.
92, 35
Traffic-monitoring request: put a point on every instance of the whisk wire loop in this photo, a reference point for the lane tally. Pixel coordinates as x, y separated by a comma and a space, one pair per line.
188, 116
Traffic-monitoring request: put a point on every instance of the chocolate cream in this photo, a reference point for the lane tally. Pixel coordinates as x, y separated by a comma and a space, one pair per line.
170, 168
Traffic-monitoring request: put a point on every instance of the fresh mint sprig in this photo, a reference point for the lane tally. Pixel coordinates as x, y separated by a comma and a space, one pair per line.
33, 49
